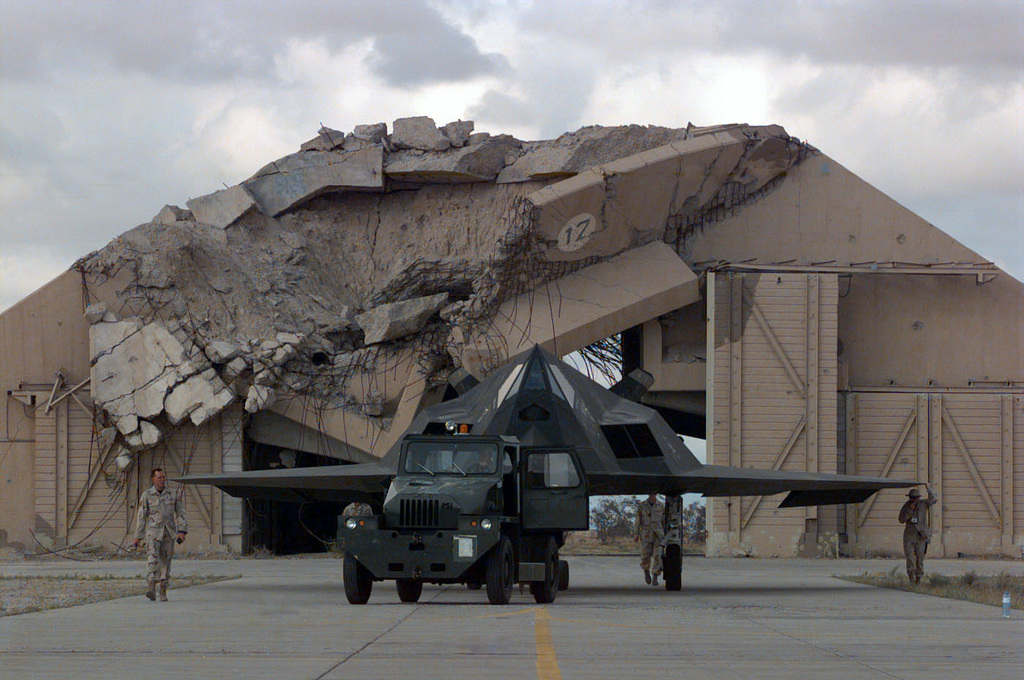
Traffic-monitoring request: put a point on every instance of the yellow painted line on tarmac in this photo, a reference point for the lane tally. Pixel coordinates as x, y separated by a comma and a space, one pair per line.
547, 660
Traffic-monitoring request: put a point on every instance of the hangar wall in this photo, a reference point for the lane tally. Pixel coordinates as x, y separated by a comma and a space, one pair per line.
920, 368
57, 469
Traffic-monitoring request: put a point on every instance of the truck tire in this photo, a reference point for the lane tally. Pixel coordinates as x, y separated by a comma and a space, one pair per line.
501, 571
409, 590
545, 591
673, 565
358, 581
563, 575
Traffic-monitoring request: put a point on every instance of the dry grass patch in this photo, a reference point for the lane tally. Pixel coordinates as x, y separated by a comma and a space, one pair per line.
23, 594
969, 586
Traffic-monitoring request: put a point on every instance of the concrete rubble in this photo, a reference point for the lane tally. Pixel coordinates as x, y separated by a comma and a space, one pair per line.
369, 253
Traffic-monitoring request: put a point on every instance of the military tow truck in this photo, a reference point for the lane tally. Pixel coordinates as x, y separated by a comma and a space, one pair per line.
479, 510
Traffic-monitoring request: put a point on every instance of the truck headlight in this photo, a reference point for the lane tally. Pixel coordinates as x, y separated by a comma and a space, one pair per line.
351, 523
485, 524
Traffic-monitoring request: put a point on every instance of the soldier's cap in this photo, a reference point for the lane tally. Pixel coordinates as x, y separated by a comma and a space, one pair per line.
914, 493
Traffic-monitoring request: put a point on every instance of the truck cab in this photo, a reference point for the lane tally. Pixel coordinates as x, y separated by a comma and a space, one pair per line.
480, 510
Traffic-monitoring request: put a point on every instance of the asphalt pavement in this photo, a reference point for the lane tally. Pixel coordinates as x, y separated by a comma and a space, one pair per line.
734, 618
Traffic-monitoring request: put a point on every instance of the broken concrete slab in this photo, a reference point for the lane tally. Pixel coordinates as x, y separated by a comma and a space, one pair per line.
127, 423
95, 312
170, 214
589, 146
221, 208
300, 177
325, 140
418, 132
399, 319
133, 376
581, 308
221, 351
235, 369
104, 336
259, 397
123, 459
201, 394
458, 132
477, 162
619, 204
146, 436
371, 133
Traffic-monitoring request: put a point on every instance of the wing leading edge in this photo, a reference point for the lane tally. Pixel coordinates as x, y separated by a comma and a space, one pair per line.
338, 483
805, 488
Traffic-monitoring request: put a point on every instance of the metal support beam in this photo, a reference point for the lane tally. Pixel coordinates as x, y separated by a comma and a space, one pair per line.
812, 370
735, 389
1006, 469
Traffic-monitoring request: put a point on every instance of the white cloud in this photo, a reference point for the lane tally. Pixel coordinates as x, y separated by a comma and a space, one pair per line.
23, 272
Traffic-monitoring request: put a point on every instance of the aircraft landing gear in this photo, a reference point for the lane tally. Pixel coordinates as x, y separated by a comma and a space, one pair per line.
672, 563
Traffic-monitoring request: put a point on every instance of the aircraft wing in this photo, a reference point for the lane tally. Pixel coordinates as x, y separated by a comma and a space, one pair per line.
805, 488
366, 483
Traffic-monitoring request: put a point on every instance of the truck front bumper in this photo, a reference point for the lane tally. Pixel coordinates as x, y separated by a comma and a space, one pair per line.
432, 555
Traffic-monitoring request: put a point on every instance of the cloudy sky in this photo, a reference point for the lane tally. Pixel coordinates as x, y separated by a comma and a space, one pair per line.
110, 109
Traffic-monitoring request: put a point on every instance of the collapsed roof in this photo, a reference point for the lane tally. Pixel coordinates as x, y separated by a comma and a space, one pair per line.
337, 272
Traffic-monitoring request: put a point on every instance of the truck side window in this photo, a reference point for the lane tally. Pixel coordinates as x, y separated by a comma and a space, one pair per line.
553, 470
506, 462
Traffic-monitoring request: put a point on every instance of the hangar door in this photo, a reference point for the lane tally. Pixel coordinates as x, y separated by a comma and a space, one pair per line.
962, 443
772, 381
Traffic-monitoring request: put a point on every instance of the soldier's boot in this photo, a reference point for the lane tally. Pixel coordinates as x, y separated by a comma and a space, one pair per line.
163, 592
151, 590
654, 579
647, 575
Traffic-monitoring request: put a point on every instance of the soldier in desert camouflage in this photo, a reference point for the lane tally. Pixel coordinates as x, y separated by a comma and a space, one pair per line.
161, 521
650, 533
916, 533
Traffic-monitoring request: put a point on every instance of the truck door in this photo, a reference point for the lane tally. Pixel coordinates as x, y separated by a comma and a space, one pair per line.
554, 491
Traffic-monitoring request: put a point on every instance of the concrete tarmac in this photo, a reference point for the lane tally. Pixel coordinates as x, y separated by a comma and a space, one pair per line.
735, 618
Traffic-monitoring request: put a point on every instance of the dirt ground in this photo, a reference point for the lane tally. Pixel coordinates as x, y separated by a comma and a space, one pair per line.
23, 594
587, 543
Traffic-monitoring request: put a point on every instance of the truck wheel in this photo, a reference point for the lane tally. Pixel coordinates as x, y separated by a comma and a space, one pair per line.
409, 590
500, 572
546, 590
563, 575
358, 582
673, 564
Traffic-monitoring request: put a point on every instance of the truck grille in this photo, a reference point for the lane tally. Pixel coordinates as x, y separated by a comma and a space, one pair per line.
419, 512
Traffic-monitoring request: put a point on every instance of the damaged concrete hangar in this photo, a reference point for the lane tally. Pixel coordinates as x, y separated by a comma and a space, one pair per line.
790, 313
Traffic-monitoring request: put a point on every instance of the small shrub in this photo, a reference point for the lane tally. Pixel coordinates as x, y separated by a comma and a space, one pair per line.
613, 518
968, 578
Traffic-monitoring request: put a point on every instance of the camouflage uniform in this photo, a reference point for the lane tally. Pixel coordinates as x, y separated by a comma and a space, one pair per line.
159, 519
357, 509
650, 529
916, 534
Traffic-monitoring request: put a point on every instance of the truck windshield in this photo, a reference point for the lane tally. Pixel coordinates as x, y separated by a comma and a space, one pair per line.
451, 458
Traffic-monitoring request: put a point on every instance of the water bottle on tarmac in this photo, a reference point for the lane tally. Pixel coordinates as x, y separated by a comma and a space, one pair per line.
1006, 604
